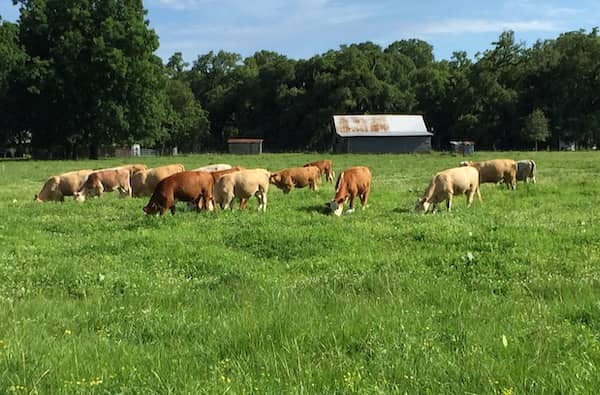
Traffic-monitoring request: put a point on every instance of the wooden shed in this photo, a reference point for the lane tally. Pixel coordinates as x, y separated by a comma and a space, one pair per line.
381, 134
245, 146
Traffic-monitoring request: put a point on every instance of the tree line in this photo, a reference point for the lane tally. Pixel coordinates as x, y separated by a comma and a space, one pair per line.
82, 73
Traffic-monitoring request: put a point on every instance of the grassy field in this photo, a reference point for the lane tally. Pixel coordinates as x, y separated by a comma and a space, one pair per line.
501, 298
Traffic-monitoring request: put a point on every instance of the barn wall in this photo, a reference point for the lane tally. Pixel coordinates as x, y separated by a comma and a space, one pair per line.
245, 148
393, 144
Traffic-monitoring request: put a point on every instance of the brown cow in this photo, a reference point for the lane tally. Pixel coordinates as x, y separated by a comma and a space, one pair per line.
187, 186
325, 167
144, 182
298, 177
216, 175
448, 183
59, 186
242, 185
104, 180
352, 182
496, 170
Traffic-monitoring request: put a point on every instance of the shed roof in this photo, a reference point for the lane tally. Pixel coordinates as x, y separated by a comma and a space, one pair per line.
243, 141
380, 125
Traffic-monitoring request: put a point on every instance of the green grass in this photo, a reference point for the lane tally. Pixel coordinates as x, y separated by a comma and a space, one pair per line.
503, 297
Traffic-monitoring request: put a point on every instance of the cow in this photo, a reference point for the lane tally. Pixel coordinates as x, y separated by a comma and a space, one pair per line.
496, 170
298, 177
352, 182
144, 182
216, 175
445, 184
325, 167
133, 168
186, 186
216, 167
107, 180
526, 170
242, 185
59, 186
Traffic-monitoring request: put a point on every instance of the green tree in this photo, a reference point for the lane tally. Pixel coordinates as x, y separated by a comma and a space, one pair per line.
536, 127
12, 62
186, 122
93, 78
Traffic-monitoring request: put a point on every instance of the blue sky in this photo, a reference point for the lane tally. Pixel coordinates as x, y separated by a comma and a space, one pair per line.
303, 28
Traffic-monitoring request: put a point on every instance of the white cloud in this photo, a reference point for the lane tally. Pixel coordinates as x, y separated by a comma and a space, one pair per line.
461, 26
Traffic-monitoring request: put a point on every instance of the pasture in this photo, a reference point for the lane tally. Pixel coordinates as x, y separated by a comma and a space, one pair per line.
503, 297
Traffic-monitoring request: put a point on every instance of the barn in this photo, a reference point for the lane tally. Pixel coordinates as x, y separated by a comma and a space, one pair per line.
381, 134
245, 146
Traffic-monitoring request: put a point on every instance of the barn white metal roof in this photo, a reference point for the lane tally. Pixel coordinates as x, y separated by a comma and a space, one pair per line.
380, 125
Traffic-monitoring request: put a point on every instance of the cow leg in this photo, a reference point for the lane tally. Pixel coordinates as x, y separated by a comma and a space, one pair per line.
470, 196
352, 196
449, 202
364, 199
264, 201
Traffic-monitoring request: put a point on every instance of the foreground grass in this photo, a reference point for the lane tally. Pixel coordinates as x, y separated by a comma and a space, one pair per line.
503, 297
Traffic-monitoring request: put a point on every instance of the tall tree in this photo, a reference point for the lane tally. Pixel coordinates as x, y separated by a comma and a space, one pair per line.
93, 76
536, 127
12, 61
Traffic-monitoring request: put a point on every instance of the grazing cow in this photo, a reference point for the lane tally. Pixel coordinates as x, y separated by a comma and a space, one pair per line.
298, 177
104, 180
526, 170
496, 170
211, 168
448, 183
186, 186
352, 182
325, 167
242, 185
65, 184
132, 168
144, 182
216, 175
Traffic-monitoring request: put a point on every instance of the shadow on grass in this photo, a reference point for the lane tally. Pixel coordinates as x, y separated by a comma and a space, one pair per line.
316, 208
403, 210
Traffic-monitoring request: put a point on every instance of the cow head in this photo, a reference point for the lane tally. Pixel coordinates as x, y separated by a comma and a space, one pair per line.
336, 206
79, 196
151, 208
422, 205
283, 183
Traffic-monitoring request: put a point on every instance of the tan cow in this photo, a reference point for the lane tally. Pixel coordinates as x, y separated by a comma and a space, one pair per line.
447, 183
242, 185
526, 170
59, 186
104, 180
186, 186
133, 168
298, 177
496, 170
144, 182
216, 175
216, 167
352, 182
325, 167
